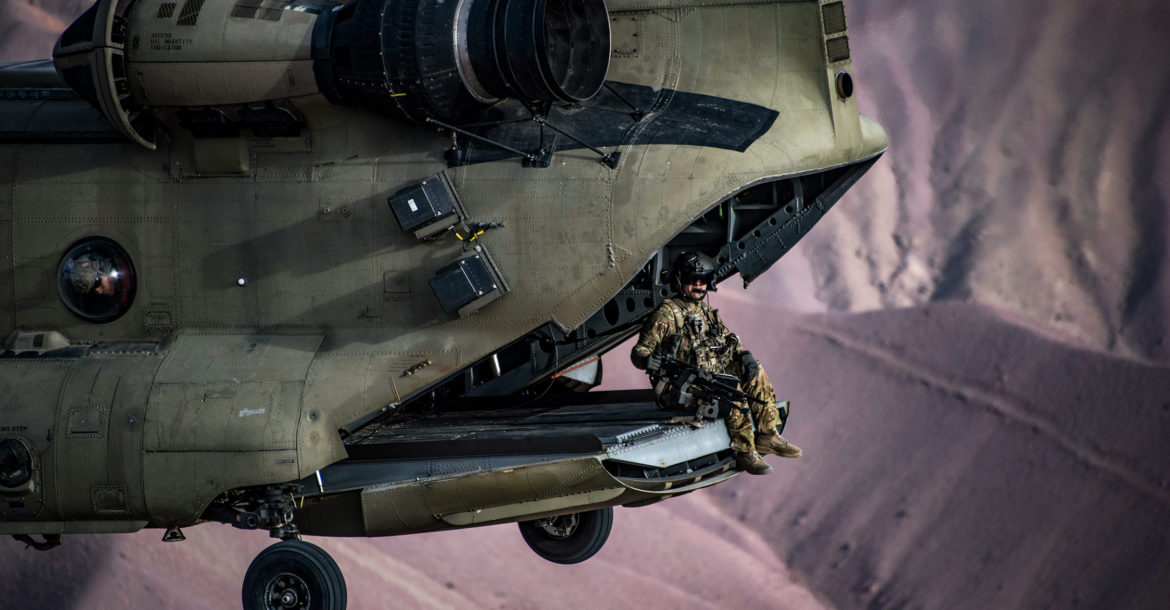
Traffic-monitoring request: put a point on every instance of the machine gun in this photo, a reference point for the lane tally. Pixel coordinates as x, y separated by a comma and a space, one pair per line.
684, 386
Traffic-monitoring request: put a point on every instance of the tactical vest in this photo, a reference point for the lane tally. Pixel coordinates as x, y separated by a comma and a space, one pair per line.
705, 341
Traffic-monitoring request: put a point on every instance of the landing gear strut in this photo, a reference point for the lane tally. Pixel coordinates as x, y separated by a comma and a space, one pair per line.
294, 574
568, 538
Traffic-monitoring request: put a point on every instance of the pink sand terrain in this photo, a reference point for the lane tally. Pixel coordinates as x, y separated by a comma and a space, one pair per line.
974, 341
1026, 170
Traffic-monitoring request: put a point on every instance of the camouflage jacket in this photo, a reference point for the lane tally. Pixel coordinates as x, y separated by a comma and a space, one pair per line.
703, 339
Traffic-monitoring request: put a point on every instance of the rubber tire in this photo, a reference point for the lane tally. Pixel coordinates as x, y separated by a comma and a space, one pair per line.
591, 533
309, 562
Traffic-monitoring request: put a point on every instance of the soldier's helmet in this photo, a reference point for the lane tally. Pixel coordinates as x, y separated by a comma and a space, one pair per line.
84, 273
689, 267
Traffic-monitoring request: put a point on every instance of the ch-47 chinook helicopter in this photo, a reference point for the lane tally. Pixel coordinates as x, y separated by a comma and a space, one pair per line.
335, 269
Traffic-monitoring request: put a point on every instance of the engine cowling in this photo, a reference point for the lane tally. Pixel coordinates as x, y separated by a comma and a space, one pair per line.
418, 59
423, 58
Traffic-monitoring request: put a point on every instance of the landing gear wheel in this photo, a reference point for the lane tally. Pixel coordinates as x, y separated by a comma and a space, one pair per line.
294, 574
568, 538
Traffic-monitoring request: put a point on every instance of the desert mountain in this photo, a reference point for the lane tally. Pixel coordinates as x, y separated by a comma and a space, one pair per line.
974, 341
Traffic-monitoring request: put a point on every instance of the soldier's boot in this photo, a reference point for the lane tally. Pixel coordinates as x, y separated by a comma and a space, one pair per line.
751, 463
771, 442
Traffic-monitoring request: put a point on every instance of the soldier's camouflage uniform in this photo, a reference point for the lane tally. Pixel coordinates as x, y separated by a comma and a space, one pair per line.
705, 342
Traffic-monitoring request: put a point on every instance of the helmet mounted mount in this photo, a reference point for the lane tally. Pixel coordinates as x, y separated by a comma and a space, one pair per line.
691, 267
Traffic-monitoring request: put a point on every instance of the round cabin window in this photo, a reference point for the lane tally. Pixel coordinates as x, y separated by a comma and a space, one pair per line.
15, 463
96, 279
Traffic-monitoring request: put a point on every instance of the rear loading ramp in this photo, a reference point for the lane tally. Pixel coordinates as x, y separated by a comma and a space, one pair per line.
477, 467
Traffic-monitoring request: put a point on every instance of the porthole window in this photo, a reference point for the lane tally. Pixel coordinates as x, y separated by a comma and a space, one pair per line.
844, 85
96, 279
15, 463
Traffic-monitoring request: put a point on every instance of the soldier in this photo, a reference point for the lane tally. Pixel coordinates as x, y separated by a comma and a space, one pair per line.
90, 273
693, 331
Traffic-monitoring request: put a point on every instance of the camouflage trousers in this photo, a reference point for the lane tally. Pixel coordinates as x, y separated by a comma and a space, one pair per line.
764, 416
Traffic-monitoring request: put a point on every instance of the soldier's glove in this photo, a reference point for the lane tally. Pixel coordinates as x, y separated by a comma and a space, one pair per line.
748, 366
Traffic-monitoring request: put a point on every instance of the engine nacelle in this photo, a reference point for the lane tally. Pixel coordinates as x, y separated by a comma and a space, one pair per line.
424, 58
418, 59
